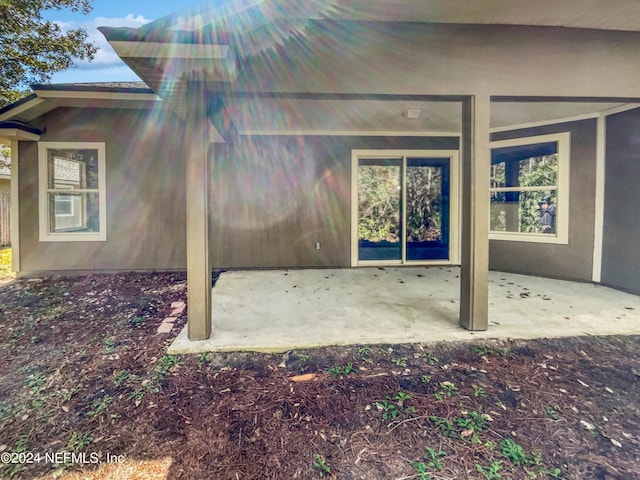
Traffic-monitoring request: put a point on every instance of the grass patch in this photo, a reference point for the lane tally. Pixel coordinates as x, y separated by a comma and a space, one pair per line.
5, 264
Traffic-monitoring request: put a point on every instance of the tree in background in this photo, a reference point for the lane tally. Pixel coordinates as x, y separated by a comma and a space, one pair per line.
32, 48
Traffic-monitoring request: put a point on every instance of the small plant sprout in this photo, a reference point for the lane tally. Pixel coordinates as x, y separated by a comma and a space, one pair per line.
430, 357
551, 412
392, 407
303, 357
447, 428
36, 382
79, 441
478, 391
485, 351
491, 472
421, 470
364, 351
448, 389
320, 464
513, 451
338, 371
400, 362
100, 406
425, 378
204, 358
121, 377
433, 458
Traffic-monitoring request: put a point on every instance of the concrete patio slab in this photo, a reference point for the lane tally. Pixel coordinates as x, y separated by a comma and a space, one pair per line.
279, 310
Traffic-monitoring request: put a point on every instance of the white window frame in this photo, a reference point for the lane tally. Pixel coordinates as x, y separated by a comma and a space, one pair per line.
561, 236
43, 193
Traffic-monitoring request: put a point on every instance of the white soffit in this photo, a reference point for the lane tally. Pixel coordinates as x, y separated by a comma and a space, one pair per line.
308, 116
594, 14
170, 50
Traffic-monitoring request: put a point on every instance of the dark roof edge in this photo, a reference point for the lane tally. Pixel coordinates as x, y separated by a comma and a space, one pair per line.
20, 126
17, 103
96, 87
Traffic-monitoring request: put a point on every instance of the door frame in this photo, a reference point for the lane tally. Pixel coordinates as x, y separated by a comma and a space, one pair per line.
454, 213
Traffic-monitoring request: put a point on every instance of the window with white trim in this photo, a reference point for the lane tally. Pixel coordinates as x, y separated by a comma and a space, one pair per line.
530, 189
72, 201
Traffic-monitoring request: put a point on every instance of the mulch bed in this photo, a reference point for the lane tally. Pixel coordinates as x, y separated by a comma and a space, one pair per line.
86, 372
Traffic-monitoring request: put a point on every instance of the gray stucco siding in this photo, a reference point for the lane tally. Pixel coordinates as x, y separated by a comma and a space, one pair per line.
145, 185
274, 197
573, 261
621, 239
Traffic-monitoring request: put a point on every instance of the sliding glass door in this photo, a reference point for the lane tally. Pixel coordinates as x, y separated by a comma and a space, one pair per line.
403, 209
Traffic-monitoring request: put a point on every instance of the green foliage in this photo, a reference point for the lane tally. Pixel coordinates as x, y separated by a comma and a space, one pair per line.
121, 377
5, 263
36, 382
379, 203
445, 425
513, 451
204, 358
478, 391
484, 351
392, 407
421, 470
320, 464
425, 378
551, 412
532, 172
401, 362
491, 472
433, 458
79, 441
33, 49
165, 364
338, 371
99, 406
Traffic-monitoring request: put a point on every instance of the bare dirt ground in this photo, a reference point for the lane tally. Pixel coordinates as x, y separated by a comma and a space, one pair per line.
85, 379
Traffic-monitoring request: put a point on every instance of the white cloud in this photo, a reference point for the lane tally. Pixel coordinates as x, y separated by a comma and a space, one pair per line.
106, 56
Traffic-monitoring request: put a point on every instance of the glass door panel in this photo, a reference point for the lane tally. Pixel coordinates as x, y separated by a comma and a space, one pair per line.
427, 209
380, 209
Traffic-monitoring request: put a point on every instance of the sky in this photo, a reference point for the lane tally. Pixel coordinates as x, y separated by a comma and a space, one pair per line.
107, 66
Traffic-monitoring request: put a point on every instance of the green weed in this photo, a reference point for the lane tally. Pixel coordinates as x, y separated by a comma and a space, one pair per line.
400, 362
204, 358
491, 472
338, 371
484, 351
513, 451
79, 441
321, 466
165, 364
433, 458
421, 470
447, 427
99, 406
425, 378
121, 377
551, 412
478, 391
36, 382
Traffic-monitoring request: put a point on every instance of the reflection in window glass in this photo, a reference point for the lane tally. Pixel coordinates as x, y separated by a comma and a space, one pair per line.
524, 188
73, 170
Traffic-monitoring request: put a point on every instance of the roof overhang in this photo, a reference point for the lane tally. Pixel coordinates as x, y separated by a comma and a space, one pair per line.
12, 131
102, 95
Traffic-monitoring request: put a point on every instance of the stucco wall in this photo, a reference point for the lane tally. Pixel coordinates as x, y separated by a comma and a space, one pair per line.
273, 197
621, 244
575, 260
145, 179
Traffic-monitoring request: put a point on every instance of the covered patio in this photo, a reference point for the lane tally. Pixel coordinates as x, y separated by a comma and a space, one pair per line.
280, 310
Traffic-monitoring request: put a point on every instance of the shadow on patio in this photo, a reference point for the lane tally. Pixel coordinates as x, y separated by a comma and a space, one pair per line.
279, 310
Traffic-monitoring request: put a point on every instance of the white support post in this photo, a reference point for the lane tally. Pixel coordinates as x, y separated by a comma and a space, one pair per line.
476, 161
198, 261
